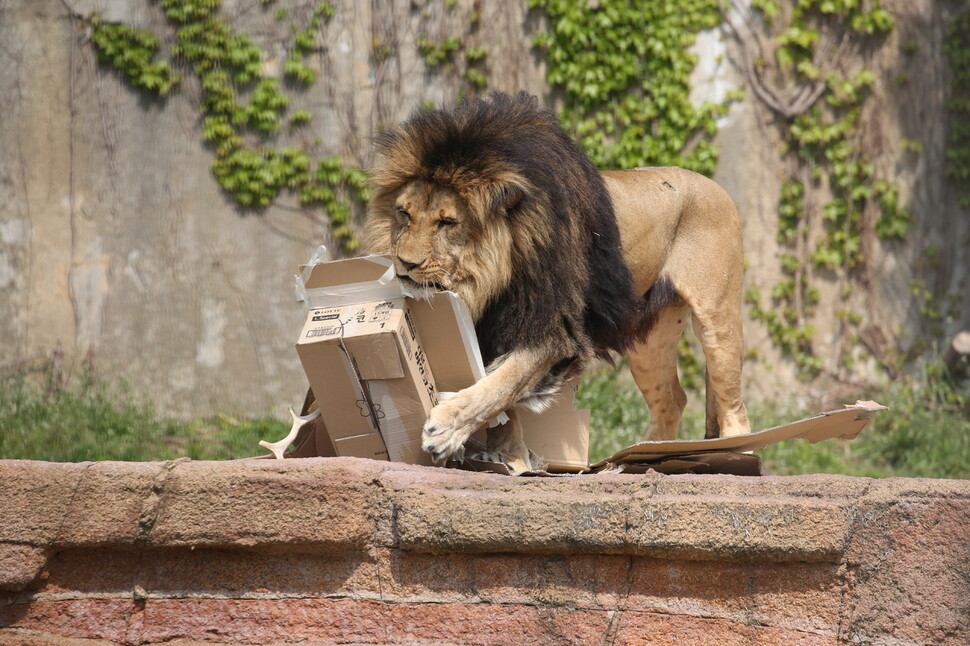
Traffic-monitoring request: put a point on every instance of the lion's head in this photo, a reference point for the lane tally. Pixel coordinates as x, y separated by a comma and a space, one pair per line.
442, 240
494, 201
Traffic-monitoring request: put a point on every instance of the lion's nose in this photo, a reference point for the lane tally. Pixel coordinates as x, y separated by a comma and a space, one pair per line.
408, 265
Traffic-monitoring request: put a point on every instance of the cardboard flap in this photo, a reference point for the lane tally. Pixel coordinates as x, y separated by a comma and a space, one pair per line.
375, 357
448, 335
348, 282
343, 272
560, 431
844, 424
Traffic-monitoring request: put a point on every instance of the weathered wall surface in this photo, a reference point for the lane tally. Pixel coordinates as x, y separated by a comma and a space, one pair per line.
345, 550
117, 245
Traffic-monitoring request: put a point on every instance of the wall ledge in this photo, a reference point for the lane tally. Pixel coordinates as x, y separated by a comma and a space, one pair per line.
320, 535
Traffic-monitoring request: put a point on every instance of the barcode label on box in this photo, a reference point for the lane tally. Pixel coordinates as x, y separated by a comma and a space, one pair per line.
330, 330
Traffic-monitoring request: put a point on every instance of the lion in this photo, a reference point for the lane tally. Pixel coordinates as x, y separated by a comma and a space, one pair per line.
558, 263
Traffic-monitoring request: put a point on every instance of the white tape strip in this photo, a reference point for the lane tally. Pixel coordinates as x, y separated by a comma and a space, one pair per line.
466, 327
384, 288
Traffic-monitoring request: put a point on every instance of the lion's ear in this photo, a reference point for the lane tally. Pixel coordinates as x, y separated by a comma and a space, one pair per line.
509, 197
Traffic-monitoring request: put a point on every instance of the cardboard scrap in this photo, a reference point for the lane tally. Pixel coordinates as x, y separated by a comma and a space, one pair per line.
378, 362
722, 462
721, 454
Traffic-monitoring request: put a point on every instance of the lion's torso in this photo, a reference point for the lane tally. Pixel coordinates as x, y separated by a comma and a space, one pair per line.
668, 216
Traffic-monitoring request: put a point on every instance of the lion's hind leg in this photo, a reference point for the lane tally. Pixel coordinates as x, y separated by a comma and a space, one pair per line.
506, 445
653, 363
721, 338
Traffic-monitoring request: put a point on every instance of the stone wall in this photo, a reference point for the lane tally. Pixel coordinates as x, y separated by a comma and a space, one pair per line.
344, 550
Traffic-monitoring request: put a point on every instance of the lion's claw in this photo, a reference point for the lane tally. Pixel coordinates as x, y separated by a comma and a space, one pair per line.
432, 430
440, 457
445, 433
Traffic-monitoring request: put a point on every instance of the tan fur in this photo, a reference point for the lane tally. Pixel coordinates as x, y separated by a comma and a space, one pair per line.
682, 225
673, 223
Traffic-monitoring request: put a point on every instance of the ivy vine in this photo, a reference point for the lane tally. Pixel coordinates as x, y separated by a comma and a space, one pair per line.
228, 66
452, 53
132, 51
833, 203
623, 68
957, 48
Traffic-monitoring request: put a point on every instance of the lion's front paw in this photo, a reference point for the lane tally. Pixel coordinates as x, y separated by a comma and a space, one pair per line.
446, 431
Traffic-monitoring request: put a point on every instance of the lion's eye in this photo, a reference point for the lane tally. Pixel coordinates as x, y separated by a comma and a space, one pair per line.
446, 223
402, 214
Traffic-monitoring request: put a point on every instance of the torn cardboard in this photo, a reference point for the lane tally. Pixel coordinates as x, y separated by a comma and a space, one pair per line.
371, 378
363, 357
732, 454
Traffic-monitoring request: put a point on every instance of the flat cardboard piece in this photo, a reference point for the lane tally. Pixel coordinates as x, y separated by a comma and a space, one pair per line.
843, 424
722, 462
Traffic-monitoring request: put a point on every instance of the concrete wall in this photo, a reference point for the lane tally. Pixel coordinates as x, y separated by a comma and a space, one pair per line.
344, 550
117, 246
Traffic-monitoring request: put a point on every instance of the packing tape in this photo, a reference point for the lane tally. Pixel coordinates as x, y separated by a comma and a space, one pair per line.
386, 287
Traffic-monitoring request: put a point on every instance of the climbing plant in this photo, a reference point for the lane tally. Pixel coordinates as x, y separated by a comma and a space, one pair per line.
957, 48
833, 203
453, 54
623, 68
228, 65
624, 71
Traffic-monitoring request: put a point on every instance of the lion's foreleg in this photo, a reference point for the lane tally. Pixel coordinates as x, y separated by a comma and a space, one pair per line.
452, 421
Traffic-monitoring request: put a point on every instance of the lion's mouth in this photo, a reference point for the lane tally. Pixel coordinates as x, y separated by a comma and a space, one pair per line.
410, 283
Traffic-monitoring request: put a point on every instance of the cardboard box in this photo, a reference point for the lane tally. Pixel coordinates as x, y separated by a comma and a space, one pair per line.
371, 378
363, 357
376, 363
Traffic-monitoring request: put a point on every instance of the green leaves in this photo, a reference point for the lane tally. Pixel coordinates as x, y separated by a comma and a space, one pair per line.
445, 53
624, 68
304, 42
833, 192
957, 48
435, 53
131, 51
229, 67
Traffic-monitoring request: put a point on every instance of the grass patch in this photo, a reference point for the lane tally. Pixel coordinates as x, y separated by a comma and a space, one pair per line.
926, 432
92, 421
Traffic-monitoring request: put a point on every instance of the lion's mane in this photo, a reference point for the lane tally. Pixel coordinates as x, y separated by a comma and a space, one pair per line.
548, 225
